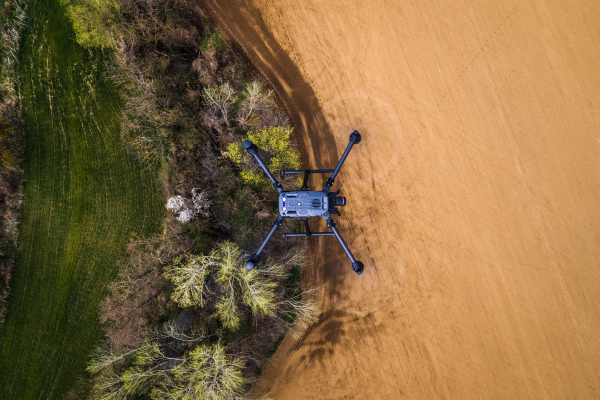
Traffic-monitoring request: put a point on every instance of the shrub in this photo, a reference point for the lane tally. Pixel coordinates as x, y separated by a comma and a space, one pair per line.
138, 297
96, 22
187, 210
275, 141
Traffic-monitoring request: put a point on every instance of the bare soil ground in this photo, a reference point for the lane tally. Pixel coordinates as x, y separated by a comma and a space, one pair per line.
473, 199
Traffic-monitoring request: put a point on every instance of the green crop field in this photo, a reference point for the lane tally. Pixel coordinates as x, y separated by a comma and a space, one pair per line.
84, 197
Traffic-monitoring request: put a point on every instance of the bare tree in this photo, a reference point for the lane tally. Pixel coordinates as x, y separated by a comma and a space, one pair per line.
149, 368
104, 356
256, 99
221, 97
304, 308
172, 330
109, 386
209, 373
234, 284
189, 275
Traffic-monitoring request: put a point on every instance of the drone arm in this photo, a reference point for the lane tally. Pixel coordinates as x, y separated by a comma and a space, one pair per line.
253, 150
254, 257
354, 139
357, 266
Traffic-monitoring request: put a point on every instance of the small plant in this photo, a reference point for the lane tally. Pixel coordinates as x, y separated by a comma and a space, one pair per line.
213, 41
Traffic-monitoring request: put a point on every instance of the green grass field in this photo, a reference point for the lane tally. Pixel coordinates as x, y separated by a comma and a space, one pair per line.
84, 197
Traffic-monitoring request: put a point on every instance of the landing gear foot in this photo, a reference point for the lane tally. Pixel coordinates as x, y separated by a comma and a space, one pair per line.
355, 137
358, 267
252, 261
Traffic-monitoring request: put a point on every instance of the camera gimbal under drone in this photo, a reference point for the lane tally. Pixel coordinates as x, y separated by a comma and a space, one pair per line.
306, 203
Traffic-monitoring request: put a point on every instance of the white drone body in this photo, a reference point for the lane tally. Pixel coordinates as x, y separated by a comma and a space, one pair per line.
303, 204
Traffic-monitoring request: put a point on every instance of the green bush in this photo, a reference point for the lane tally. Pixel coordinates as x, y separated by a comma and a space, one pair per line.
275, 141
213, 40
96, 22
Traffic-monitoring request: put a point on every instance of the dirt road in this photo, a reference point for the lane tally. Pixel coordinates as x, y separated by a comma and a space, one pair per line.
473, 199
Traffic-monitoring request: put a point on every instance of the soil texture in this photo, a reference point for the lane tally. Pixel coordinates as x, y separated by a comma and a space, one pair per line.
473, 198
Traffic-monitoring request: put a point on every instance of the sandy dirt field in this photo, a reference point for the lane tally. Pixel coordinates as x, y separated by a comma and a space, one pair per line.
473, 199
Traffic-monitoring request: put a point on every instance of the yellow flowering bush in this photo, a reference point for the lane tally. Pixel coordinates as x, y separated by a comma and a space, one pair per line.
274, 140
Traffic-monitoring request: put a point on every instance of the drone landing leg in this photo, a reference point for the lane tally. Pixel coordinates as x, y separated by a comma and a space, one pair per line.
307, 173
254, 257
357, 266
308, 232
306, 227
354, 139
305, 187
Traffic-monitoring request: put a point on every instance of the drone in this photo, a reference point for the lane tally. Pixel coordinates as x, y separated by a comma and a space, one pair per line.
305, 203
